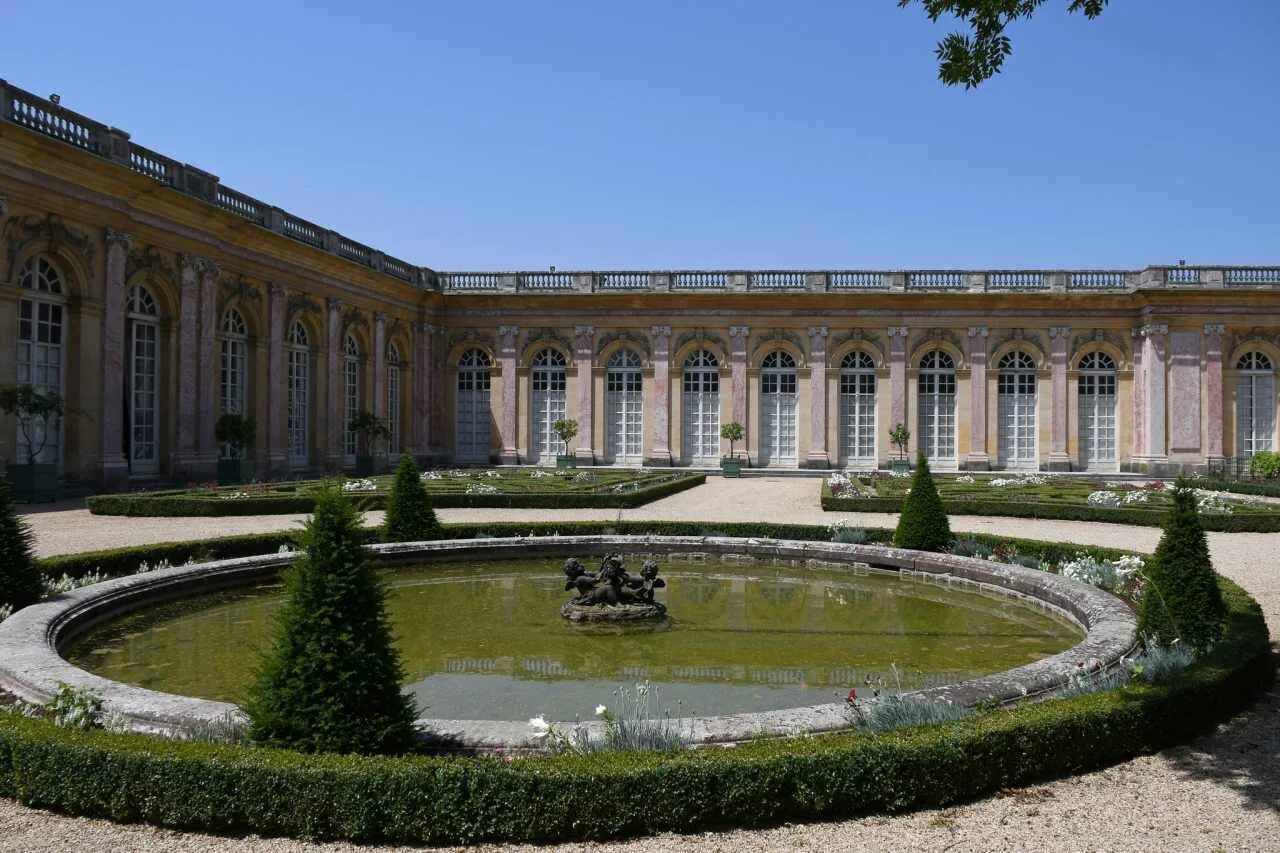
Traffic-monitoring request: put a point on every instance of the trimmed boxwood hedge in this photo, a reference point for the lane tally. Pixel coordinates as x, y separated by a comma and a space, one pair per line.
1244, 487
1239, 523
439, 800
125, 561
179, 503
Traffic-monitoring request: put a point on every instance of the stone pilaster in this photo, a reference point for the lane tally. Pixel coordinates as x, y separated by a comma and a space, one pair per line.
738, 378
660, 409
1186, 348
422, 387
334, 421
897, 377
510, 384
1213, 428
379, 364
817, 457
277, 392
210, 375
1154, 378
185, 462
584, 338
1059, 458
115, 467
978, 459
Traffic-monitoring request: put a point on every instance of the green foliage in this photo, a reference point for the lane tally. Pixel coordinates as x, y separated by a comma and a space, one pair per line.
369, 429
438, 800
332, 681
899, 712
1265, 464
972, 60
30, 407
849, 535
732, 432
923, 525
898, 437
235, 429
410, 517
20, 581
565, 429
1182, 599
72, 708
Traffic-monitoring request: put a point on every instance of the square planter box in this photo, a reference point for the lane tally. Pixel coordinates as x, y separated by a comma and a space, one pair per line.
33, 483
730, 466
233, 472
563, 462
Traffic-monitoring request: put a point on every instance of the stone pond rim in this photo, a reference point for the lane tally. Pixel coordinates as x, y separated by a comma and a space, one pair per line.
32, 668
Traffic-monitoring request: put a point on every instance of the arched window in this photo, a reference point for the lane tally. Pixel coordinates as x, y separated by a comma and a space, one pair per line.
351, 377
472, 407
1097, 405
936, 392
624, 399
143, 381
1016, 398
393, 399
858, 410
700, 406
233, 339
547, 405
39, 352
778, 403
299, 379
1255, 403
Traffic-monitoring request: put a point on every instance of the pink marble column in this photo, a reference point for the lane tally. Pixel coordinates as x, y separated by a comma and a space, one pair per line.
510, 383
584, 339
209, 369
436, 432
1184, 392
738, 377
277, 393
1213, 431
1137, 395
1154, 378
660, 414
185, 461
817, 457
1059, 459
897, 377
978, 459
336, 390
115, 467
421, 388
379, 364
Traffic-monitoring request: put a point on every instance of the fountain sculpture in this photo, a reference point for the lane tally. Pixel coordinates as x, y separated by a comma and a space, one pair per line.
610, 594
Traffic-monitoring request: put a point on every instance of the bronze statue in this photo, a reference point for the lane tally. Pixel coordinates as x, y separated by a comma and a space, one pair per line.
611, 593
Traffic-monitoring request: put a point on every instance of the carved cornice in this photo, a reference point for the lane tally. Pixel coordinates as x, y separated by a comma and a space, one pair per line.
149, 260
236, 287
700, 336
20, 232
548, 335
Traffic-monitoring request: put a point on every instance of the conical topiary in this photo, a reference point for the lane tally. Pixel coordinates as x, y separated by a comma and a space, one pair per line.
20, 581
410, 517
923, 524
1182, 599
331, 683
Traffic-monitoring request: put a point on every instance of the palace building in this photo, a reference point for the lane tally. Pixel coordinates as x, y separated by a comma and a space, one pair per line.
153, 298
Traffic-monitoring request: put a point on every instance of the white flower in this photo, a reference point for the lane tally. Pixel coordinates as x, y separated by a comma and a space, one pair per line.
481, 489
1104, 498
359, 486
284, 549
964, 478
1136, 497
600, 709
432, 475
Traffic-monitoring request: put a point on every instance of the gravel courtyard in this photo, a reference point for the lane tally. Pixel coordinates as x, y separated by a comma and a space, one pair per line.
1221, 792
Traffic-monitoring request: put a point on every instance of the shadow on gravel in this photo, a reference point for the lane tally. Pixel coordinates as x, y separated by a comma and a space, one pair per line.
1243, 754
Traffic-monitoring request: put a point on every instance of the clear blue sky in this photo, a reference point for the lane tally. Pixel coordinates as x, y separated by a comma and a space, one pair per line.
589, 134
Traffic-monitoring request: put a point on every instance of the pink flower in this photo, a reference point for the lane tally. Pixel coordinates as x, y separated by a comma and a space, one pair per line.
853, 695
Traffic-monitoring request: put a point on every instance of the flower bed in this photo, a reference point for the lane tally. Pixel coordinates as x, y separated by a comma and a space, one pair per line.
496, 488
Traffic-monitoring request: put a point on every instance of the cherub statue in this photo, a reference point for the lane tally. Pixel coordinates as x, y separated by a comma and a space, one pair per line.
642, 587
578, 577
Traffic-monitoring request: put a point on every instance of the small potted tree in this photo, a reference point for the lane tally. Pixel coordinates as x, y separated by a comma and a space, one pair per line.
898, 437
38, 412
731, 465
566, 429
237, 431
371, 431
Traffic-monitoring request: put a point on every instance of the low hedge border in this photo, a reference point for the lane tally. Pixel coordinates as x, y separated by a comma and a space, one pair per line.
1239, 523
1244, 487
154, 504
437, 800
114, 562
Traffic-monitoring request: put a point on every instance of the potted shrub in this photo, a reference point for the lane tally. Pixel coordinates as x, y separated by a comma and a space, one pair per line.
898, 437
370, 431
566, 429
731, 465
237, 431
38, 412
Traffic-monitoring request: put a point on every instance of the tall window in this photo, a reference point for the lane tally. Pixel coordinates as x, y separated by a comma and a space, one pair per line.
936, 388
1016, 396
701, 409
234, 342
624, 443
1097, 411
351, 377
778, 398
39, 353
858, 410
393, 399
471, 436
299, 379
1255, 403
547, 405
143, 381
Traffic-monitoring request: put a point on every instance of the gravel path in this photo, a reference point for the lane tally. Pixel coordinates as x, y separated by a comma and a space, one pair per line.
1221, 792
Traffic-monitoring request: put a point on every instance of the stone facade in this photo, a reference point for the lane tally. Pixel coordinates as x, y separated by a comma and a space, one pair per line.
174, 298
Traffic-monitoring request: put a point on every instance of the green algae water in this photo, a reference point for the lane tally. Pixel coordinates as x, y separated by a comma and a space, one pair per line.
487, 642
